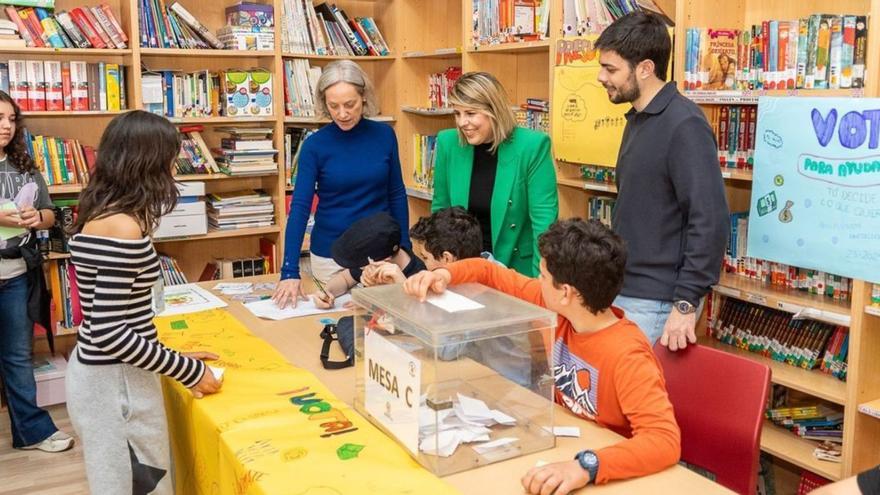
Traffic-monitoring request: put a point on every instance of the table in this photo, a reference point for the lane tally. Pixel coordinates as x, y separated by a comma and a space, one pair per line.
299, 343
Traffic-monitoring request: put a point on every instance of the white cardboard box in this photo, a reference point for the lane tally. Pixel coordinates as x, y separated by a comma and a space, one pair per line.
186, 219
49, 373
191, 188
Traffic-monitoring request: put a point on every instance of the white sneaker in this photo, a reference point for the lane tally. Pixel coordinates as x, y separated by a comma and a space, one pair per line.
58, 442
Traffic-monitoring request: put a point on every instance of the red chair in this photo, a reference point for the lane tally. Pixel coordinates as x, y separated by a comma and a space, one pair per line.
719, 401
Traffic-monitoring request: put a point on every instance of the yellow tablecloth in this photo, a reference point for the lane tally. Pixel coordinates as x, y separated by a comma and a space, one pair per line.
274, 428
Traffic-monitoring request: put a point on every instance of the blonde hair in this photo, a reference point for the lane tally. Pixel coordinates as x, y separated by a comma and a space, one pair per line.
482, 92
348, 72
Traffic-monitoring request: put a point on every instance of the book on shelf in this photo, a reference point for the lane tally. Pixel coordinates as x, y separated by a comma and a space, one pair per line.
249, 26
585, 17
300, 82
240, 209
778, 335
508, 21
195, 155
61, 161
439, 86
601, 208
230, 93
164, 26
424, 156
293, 139
171, 272
734, 127
50, 85
246, 151
534, 114
82, 27
65, 305
325, 29
820, 51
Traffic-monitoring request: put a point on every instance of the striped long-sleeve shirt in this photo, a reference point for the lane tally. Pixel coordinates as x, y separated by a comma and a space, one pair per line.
115, 278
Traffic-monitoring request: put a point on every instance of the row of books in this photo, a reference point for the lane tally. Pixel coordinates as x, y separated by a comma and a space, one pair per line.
61, 161
325, 29
812, 422
246, 151
601, 175
601, 208
81, 27
240, 209
507, 21
534, 114
582, 17
734, 127
816, 52
172, 26
195, 155
231, 93
777, 335
171, 272
293, 140
424, 155
737, 261
439, 86
66, 311
52, 85
300, 81
224, 268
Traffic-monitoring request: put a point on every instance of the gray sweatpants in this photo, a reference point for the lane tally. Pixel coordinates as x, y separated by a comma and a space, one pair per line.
119, 414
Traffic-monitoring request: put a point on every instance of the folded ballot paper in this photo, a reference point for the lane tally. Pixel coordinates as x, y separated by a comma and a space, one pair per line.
467, 421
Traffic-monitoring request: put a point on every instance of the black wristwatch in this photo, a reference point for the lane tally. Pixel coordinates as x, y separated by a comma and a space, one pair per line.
684, 307
589, 461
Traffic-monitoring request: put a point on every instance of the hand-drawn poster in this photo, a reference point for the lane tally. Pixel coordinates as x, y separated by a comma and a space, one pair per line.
816, 191
587, 127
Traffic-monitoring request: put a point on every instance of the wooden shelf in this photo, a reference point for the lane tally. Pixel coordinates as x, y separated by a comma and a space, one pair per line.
871, 408
872, 310
429, 112
60, 330
65, 189
811, 382
587, 185
223, 234
524, 47
793, 301
57, 256
221, 120
734, 174
784, 444
317, 121
359, 58
415, 192
80, 113
751, 97
219, 176
181, 52
453, 52
65, 51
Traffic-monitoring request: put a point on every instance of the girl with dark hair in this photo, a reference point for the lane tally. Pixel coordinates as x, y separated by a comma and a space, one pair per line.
113, 391
21, 281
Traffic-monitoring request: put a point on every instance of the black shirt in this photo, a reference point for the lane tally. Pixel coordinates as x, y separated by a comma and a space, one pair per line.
869, 481
414, 266
482, 185
671, 207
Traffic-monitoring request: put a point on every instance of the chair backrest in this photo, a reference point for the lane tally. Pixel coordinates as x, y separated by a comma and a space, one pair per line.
719, 401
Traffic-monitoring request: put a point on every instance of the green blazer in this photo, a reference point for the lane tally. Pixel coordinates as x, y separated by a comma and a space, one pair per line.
525, 200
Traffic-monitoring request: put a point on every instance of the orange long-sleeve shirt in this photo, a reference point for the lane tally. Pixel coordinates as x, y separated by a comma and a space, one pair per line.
609, 376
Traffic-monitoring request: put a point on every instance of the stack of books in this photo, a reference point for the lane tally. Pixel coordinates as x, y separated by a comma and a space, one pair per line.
249, 26
246, 151
777, 335
172, 27
293, 140
81, 27
61, 161
300, 81
9, 36
812, 422
325, 29
54, 85
240, 210
817, 52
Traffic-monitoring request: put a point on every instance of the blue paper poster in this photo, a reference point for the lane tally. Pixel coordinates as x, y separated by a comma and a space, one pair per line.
816, 185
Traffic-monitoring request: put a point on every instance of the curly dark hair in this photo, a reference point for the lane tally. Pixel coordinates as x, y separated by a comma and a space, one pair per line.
16, 150
587, 256
133, 171
451, 229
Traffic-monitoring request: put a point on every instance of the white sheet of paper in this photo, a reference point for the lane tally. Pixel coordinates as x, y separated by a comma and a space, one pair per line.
502, 418
482, 448
269, 310
565, 431
188, 298
452, 302
231, 288
443, 444
218, 372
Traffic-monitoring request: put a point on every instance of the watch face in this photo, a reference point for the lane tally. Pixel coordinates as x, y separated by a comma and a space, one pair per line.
684, 307
590, 459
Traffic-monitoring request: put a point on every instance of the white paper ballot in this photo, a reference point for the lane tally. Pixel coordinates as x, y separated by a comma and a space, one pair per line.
483, 448
565, 431
269, 310
452, 302
218, 372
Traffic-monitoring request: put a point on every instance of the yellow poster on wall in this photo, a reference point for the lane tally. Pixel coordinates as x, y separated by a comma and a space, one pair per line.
587, 127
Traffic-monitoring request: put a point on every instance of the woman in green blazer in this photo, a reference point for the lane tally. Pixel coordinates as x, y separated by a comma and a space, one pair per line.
501, 173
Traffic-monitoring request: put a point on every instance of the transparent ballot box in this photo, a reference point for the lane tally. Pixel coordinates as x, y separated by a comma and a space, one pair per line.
461, 380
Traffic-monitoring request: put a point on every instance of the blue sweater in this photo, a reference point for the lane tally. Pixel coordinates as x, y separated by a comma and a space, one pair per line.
355, 174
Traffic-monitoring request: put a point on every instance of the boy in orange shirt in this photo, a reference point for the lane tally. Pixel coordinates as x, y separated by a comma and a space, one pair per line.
604, 367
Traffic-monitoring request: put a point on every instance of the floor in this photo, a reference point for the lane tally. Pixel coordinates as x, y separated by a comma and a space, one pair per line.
33, 472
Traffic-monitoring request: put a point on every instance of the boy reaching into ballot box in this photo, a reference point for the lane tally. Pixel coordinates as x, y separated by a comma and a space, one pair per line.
604, 368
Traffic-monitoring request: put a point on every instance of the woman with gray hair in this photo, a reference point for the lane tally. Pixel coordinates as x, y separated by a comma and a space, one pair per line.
352, 164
